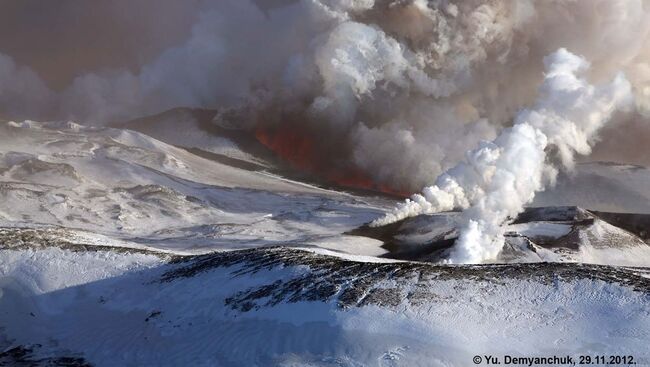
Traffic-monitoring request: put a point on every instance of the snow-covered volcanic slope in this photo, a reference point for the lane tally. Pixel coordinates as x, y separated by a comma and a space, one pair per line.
124, 184
603, 186
202, 134
288, 307
554, 234
112, 253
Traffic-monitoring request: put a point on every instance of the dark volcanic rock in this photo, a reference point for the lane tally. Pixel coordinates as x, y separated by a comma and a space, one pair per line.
355, 284
27, 356
28, 238
554, 214
294, 275
639, 224
428, 237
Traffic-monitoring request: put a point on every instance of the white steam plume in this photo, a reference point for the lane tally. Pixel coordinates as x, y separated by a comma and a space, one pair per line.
499, 177
405, 87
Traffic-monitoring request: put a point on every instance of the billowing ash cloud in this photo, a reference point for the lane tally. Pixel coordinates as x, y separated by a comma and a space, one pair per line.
398, 89
499, 177
21, 90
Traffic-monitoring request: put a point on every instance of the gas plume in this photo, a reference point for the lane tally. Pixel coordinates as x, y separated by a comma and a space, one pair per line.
499, 177
397, 90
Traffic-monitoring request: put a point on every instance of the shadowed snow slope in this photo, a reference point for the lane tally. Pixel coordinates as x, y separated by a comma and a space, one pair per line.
279, 306
112, 252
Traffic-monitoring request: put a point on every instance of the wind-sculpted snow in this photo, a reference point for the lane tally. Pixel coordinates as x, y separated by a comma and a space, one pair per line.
226, 202
25, 239
273, 306
354, 284
125, 184
109, 235
112, 183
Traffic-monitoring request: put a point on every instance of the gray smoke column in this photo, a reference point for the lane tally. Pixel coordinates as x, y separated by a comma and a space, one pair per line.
400, 89
499, 177
21, 90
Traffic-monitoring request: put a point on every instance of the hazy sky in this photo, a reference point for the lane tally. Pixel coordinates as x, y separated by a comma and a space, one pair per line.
64, 38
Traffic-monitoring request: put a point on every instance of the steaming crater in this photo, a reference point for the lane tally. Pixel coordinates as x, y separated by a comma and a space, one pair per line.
140, 247
547, 234
158, 194
228, 201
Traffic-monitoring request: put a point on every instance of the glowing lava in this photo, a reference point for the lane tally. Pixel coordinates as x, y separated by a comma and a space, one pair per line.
297, 146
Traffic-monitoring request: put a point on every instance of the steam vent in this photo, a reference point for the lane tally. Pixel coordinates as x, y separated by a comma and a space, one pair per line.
324, 183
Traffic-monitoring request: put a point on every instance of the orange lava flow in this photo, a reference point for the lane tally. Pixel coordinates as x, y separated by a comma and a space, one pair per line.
296, 146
